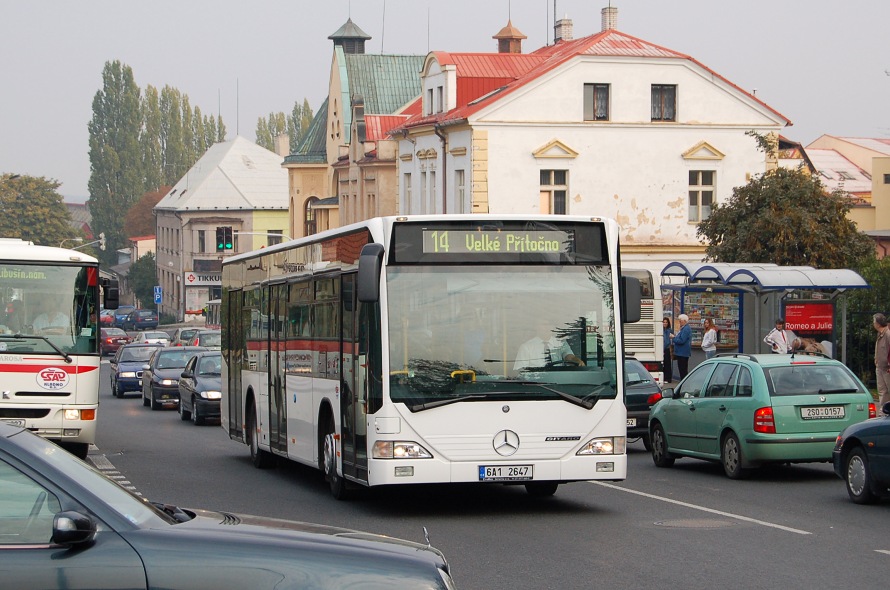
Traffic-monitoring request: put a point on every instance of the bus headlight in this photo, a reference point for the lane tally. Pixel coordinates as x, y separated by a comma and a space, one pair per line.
211, 394
604, 446
89, 414
399, 449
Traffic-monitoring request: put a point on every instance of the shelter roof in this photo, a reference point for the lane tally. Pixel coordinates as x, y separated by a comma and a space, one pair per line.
767, 277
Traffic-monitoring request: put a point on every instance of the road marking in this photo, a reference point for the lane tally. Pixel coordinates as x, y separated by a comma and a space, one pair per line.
884, 551
704, 509
102, 463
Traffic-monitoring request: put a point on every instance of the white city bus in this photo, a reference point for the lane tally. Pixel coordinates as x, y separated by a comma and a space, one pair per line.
645, 339
211, 314
49, 341
396, 351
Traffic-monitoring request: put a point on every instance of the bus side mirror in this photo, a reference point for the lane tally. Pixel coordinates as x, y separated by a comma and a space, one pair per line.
369, 264
631, 295
111, 293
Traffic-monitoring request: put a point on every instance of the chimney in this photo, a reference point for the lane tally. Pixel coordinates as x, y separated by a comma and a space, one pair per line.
562, 30
610, 18
282, 145
509, 39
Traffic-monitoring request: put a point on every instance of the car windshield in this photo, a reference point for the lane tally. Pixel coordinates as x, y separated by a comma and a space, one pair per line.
807, 379
146, 314
132, 354
210, 339
186, 334
210, 365
113, 332
148, 335
636, 374
500, 333
173, 359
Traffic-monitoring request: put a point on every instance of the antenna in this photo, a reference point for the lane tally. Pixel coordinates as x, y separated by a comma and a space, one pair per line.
383, 28
237, 107
427, 29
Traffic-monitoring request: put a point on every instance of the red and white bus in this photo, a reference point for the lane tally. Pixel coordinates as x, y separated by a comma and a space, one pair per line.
49, 341
401, 350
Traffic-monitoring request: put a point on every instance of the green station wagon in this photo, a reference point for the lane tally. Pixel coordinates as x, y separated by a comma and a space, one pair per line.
746, 410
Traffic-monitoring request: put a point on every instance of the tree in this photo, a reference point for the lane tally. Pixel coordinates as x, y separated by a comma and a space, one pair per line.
143, 277
785, 217
150, 139
270, 128
140, 219
31, 209
116, 177
295, 125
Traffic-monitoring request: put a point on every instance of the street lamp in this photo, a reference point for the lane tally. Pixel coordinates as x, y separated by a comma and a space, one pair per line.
79, 240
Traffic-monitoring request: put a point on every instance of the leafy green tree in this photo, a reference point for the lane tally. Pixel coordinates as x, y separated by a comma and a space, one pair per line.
220, 129
270, 128
32, 209
116, 178
150, 139
295, 125
175, 163
199, 136
785, 217
143, 277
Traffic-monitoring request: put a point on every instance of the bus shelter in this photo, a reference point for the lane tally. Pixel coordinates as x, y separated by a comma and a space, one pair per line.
744, 300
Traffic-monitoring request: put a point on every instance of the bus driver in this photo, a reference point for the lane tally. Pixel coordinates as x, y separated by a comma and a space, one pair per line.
544, 349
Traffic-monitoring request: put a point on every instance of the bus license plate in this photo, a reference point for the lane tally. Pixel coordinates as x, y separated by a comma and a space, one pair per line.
822, 412
20, 423
631, 422
506, 472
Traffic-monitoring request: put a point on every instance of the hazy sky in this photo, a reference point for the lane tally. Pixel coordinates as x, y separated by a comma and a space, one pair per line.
823, 64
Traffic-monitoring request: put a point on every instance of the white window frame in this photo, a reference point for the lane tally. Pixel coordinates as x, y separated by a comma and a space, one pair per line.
554, 191
699, 192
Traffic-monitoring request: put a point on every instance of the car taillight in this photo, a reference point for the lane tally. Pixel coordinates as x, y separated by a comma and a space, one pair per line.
872, 411
764, 421
654, 399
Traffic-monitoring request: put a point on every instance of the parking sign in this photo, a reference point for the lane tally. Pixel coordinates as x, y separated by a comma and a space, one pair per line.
157, 294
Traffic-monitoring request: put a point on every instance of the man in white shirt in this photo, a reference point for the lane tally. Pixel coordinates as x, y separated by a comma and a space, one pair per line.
780, 340
52, 317
543, 350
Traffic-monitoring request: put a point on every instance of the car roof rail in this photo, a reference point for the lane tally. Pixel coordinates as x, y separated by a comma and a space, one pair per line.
810, 353
739, 355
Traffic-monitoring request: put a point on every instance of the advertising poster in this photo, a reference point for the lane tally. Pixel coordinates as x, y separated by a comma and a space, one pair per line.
813, 325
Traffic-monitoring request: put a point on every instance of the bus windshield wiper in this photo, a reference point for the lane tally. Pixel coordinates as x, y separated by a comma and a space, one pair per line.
445, 402
44, 338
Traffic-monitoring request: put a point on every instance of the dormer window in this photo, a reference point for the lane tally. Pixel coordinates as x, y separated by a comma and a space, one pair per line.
440, 99
429, 101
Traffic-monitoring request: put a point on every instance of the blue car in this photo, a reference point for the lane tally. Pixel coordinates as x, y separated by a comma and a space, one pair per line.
121, 313
862, 458
126, 367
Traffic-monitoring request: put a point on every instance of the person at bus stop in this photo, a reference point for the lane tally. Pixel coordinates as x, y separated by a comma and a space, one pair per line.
544, 349
683, 345
882, 351
667, 365
709, 339
780, 340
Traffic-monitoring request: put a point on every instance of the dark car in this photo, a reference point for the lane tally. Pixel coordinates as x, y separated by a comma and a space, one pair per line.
110, 339
200, 387
862, 458
160, 376
182, 336
641, 391
121, 313
126, 367
141, 319
64, 525
211, 339
106, 317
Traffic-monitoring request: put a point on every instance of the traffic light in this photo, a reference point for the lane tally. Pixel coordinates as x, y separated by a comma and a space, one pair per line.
102, 241
229, 239
220, 239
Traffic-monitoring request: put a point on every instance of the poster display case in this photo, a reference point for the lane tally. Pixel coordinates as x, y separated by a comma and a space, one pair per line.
722, 308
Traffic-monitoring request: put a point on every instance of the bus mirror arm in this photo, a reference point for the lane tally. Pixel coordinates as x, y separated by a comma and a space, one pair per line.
370, 263
631, 295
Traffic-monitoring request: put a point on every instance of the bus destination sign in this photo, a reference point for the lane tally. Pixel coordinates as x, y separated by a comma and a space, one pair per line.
459, 241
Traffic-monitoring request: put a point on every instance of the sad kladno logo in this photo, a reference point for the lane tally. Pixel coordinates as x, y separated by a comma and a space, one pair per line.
52, 378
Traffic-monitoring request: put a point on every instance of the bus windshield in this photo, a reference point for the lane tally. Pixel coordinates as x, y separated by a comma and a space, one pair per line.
468, 333
48, 309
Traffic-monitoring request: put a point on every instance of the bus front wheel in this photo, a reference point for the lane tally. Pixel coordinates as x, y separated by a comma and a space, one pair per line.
541, 489
261, 459
79, 450
329, 463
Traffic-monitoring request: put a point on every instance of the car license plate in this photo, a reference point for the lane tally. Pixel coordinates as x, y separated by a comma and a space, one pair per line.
15, 422
822, 412
631, 422
506, 472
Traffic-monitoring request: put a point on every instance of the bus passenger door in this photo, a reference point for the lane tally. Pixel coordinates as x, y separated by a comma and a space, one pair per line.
352, 391
277, 369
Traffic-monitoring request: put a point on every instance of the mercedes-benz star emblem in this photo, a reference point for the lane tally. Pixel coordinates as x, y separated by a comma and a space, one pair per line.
506, 442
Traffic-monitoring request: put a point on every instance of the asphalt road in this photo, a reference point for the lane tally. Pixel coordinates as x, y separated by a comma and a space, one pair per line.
686, 527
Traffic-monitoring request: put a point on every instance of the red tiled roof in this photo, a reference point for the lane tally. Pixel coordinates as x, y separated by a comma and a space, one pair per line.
377, 126
479, 74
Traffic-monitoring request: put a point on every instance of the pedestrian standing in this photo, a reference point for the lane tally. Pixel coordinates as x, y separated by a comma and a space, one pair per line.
683, 345
882, 350
668, 362
709, 339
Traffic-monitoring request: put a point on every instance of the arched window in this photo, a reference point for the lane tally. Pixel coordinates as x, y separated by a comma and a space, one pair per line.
309, 220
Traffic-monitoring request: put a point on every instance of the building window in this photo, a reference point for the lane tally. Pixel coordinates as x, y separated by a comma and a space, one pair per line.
422, 195
701, 194
274, 236
309, 217
596, 102
664, 102
432, 205
201, 245
460, 191
554, 189
429, 101
439, 99
887, 179
406, 184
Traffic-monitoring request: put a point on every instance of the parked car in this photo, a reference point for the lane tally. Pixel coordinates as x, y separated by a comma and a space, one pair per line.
211, 339
160, 376
106, 318
641, 391
121, 313
200, 387
126, 367
141, 319
862, 458
65, 525
153, 337
182, 336
746, 410
110, 339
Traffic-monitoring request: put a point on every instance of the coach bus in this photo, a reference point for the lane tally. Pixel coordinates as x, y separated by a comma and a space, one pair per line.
644, 339
403, 350
49, 341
